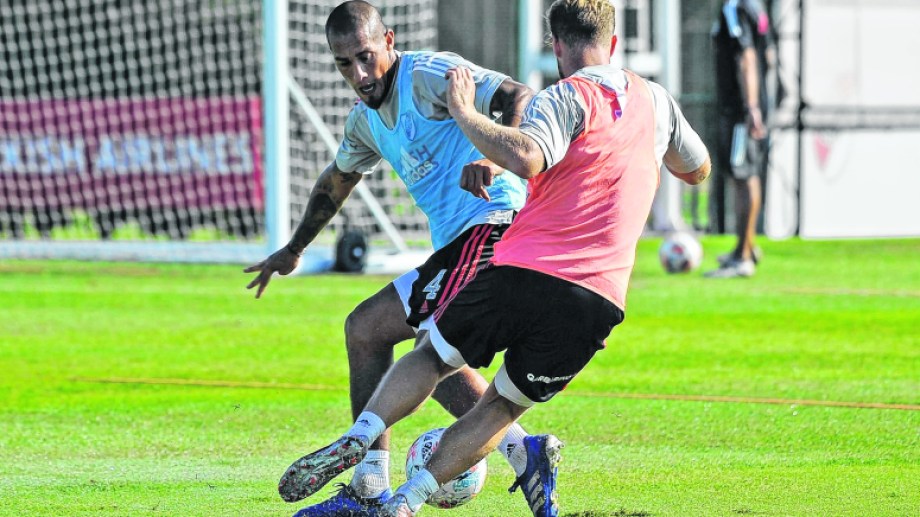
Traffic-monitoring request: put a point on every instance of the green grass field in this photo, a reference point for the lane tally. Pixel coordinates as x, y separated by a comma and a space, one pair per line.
822, 321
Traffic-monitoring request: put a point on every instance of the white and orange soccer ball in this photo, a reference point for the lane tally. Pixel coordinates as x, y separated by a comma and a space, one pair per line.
680, 253
458, 491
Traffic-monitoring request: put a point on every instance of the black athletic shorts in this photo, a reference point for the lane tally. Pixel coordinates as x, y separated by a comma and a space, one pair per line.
549, 327
425, 288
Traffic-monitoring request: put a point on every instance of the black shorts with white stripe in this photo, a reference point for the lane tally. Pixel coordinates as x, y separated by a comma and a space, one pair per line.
449, 268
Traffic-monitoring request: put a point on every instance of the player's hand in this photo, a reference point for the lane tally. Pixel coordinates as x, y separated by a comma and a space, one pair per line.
756, 127
478, 175
283, 261
461, 91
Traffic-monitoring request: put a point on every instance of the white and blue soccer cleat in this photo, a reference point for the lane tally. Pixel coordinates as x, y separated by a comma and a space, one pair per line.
346, 503
538, 482
310, 473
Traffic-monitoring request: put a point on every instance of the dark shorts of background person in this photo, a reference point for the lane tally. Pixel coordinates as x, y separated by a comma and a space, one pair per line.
428, 286
752, 159
549, 327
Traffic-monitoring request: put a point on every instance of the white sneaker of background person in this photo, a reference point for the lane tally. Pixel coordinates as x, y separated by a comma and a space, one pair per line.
734, 269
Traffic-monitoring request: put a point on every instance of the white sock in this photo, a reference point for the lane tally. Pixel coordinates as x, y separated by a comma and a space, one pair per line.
512, 448
372, 475
418, 489
367, 425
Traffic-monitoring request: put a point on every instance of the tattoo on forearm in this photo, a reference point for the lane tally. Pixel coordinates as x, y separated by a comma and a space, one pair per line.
320, 210
327, 198
350, 179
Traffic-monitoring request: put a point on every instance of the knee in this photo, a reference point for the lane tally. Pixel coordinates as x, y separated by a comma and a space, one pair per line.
377, 324
359, 335
495, 407
427, 350
369, 331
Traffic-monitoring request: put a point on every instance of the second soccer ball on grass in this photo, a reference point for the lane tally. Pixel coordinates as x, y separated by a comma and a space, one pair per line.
680, 253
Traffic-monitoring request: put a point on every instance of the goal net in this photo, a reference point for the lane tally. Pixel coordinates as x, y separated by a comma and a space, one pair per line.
134, 130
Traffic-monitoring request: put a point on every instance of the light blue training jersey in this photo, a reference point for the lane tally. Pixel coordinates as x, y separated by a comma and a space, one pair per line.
429, 155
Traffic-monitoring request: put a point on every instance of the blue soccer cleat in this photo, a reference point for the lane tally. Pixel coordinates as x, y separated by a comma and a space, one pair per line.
346, 503
539, 479
309, 474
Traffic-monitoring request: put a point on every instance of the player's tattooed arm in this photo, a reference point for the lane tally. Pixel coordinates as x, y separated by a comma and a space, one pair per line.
326, 199
510, 99
329, 194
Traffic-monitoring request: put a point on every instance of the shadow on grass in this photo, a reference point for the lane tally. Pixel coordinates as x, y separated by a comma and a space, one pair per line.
606, 513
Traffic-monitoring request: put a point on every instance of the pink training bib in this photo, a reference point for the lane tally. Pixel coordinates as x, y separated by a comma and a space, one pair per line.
585, 215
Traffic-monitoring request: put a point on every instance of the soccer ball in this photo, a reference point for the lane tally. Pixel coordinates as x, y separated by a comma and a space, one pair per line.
458, 491
680, 252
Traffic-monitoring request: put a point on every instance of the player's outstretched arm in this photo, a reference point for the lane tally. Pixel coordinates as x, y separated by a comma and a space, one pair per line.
506, 146
328, 195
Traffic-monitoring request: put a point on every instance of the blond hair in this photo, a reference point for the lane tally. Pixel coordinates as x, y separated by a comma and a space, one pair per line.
581, 22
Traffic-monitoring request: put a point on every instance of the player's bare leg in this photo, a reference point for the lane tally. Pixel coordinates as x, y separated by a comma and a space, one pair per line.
409, 383
454, 392
403, 390
371, 331
470, 439
474, 435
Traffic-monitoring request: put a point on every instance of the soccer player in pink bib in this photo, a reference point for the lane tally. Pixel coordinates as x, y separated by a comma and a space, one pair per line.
591, 147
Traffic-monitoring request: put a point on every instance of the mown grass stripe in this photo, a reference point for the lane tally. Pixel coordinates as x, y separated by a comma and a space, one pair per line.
638, 396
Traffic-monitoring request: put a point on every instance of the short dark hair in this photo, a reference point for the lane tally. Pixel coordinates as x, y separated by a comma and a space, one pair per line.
349, 17
580, 22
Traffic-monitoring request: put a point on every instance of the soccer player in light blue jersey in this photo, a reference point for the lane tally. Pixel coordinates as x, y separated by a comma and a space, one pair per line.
402, 116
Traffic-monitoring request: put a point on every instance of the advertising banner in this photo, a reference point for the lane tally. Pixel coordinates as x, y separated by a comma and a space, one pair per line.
131, 155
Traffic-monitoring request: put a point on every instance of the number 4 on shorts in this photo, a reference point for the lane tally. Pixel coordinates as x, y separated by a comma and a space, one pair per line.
434, 286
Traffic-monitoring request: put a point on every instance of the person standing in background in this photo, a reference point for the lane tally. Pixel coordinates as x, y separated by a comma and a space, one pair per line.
744, 52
